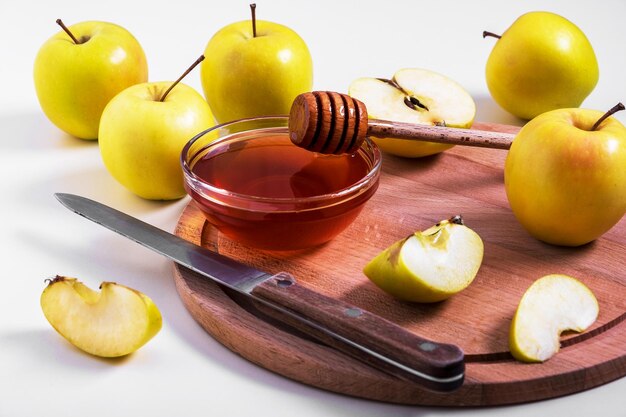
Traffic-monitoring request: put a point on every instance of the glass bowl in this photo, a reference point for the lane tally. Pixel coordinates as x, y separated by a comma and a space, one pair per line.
259, 189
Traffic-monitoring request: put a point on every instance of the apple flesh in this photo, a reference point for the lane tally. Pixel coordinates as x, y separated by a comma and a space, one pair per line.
141, 138
113, 322
245, 75
541, 63
74, 82
419, 96
566, 183
551, 305
429, 265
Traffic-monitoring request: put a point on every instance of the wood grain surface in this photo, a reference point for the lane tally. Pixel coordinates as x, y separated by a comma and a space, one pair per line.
413, 195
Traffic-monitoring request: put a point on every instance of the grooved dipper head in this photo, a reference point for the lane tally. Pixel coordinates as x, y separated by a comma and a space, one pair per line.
328, 122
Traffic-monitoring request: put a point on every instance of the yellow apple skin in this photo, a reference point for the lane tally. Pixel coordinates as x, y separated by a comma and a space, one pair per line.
245, 76
141, 138
75, 82
542, 62
113, 322
566, 184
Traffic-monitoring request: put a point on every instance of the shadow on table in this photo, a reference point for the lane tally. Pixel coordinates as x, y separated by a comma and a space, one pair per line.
24, 131
47, 346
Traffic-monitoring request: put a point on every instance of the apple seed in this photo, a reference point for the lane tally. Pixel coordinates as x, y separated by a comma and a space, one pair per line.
411, 101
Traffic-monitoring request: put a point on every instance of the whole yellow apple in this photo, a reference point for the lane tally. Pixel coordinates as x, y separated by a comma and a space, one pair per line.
542, 62
141, 137
566, 181
255, 70
75, 81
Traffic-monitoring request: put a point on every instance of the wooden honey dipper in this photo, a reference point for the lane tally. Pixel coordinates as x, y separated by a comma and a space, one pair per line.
334, 123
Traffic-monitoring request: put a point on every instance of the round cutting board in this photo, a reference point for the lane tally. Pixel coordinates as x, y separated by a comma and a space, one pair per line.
413, 195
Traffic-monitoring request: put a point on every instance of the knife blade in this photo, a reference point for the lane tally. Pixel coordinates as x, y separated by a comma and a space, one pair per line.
358, 333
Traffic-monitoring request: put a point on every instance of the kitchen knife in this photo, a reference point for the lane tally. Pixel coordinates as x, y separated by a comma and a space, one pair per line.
352, 330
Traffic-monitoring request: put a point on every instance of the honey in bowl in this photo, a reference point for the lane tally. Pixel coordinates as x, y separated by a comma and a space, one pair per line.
259, 189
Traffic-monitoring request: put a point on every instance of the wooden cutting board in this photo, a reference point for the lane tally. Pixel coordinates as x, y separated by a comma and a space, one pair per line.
413, 195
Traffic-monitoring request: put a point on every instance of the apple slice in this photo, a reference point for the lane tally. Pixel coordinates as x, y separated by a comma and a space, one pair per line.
431, 265
551, 305
113, 322
415, 95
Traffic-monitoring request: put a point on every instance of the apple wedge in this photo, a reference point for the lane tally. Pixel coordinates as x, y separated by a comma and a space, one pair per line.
419, 96
430, 265
551, 305
113, 322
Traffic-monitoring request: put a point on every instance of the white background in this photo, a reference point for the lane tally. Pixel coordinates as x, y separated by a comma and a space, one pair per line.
183, 371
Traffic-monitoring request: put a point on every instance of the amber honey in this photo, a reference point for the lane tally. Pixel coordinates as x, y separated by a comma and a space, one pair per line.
267, 193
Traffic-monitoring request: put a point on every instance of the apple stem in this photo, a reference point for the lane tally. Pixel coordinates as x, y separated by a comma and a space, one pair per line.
199, 60
458, 219
253, 11
493, 35
614, 109
51, 281
60, 23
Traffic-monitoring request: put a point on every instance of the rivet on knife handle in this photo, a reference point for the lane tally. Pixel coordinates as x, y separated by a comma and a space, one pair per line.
369, 338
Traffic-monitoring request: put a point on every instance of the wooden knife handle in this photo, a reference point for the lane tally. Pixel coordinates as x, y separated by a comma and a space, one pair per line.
369, 338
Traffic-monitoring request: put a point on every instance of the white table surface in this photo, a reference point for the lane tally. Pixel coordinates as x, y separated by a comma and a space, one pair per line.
183, 371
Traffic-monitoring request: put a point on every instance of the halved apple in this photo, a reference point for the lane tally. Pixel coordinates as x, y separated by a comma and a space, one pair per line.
415, 95
113, 322
431, 265
551, 305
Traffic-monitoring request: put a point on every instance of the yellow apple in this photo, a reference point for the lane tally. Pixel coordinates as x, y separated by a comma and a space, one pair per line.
429, 265
565, 181
246, 75
141, 138
75, 81
415, 95
551, 305
542, 62
113, 322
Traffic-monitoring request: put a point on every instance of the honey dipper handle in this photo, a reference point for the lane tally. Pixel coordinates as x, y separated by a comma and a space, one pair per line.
333, 123
440, 134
